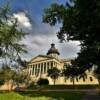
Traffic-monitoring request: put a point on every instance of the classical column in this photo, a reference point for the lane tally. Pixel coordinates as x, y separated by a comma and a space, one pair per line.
28, 70
33, 70
43, 67
37, 69
46, 67
51, 64
56, 64
40, 70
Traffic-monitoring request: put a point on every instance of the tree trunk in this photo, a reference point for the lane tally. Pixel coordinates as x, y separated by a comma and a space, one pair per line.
73, 82
98, 77
99, 81
54, 81
8, 84
12, 85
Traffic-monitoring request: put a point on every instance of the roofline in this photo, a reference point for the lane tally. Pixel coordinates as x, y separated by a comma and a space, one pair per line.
44, 56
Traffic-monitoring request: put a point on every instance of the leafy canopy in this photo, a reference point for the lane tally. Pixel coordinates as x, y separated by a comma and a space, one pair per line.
10, 35
80, 20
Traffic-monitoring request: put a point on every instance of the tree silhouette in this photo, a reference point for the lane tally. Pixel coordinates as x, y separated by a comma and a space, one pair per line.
80, 20
54, 73
72, 72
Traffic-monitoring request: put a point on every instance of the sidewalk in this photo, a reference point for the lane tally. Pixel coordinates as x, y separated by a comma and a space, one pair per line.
92, 95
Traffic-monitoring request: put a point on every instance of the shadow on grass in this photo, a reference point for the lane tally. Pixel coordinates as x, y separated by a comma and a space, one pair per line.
54, 95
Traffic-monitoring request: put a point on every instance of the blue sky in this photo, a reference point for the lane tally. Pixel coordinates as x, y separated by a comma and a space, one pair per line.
29, 14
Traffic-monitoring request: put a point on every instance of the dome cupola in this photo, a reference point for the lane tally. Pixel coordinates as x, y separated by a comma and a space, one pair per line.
53, 51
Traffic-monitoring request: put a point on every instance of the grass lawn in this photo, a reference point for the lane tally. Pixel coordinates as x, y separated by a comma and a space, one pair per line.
41, 96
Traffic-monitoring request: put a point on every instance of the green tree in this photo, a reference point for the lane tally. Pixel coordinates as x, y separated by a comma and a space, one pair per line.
10, 35
97, 74
7, 75
54, 73
70, 73
13, 77
73, 72
80, 20
22, 78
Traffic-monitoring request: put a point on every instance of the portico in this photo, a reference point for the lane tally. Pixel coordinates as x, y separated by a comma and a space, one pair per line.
40, 68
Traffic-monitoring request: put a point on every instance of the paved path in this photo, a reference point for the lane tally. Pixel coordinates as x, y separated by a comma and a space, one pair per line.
92, 95
90, 91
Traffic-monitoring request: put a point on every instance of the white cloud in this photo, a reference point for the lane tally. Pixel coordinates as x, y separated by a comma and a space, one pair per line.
23, 21
41, 43
42, 36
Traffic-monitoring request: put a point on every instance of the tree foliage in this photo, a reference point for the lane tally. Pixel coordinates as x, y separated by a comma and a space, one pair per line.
80, 20
54, 73
10, 35
13, 77
73, 72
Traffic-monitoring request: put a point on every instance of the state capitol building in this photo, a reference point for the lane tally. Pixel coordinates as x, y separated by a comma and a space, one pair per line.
39, 65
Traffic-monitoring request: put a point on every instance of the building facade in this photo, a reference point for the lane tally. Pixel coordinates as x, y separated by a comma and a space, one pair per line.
39, 65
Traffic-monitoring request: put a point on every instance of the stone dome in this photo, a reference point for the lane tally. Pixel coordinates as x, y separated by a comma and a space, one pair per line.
53, 50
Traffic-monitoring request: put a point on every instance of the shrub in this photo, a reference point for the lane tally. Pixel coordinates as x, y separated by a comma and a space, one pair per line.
42, 81
2, 82
31, 85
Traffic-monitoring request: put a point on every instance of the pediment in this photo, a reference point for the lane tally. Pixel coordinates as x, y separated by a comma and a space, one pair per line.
40, 58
